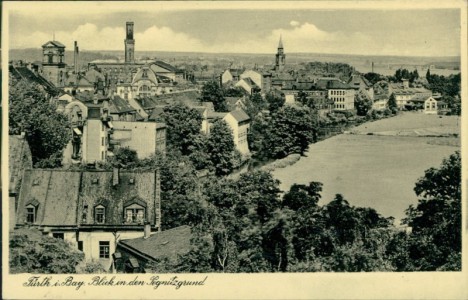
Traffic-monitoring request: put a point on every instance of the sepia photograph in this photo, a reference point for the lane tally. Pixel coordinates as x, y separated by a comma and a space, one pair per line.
175, 144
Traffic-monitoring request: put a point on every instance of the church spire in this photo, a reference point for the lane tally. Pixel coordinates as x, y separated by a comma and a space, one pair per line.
280, 44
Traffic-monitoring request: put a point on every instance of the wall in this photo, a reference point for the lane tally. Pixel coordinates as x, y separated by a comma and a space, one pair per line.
255, 76
93, 150
139, 136
239, 134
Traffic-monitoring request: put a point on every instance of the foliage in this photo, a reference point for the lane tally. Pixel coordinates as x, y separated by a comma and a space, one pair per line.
289, 131
392, 105
435, 239
91, 267
302, 196
447, 86
274, 102
373, 78
30, 252
220, 146
212, 92
401, 74
183, 125
234, 92
181, 202
47, 131
362, 104
125, 156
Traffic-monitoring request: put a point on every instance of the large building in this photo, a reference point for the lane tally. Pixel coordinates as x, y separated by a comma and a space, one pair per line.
92, 210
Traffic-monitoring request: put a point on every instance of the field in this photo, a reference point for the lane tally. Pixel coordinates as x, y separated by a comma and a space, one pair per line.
377, 171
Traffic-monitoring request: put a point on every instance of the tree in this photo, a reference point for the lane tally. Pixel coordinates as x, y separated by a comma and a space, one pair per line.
436, 220
220, 146
290, 130
125, 156
31, 252
362, 104
274, 102
47, 131
302, 196
212, 92
180, 189
392, 105
183, 125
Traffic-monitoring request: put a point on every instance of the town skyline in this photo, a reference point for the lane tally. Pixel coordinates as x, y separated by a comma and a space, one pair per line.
166, 27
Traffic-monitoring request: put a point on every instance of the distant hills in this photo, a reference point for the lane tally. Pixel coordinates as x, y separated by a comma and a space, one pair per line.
363, 63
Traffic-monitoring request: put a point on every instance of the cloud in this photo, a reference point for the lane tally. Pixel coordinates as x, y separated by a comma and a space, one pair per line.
294, 23
306, 37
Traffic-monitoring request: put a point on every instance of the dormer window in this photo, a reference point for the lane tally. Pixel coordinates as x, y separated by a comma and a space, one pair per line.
99, 214
31, 213
134, 213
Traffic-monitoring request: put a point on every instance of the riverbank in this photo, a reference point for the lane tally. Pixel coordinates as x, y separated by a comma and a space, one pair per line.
375, 171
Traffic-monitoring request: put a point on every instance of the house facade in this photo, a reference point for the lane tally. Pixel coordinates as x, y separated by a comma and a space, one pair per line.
430, 106
341, 94
92, 210
239, 122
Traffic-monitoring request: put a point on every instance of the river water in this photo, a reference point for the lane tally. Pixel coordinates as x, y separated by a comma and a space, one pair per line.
368, 170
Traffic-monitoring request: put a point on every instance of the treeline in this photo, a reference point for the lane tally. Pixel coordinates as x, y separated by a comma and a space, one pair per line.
247, 226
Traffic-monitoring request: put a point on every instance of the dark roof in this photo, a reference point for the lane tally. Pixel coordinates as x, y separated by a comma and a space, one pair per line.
118, 105
338, 85
23, 72
156, 113
55, 43
65, 196
166, 66
240, 115
19, 158
166, 244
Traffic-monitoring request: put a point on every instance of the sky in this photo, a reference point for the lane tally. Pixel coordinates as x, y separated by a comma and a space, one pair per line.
239, 27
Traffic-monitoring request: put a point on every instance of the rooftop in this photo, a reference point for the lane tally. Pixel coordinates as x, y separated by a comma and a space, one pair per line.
166, 244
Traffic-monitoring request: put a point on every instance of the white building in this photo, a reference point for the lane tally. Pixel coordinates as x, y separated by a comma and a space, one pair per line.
239, 122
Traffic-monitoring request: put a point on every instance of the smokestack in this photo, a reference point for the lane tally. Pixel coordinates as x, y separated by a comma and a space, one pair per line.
372, 67
75, 56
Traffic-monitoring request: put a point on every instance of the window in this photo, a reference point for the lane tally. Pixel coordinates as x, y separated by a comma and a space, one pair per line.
134, 214
104, 249
80, 246
30, 213
99, 214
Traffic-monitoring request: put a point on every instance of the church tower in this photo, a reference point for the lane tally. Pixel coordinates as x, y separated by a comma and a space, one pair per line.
280, 57
53, 62
129, 44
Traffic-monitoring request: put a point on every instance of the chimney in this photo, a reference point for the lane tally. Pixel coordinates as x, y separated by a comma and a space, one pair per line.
405, 83
75, 56
115, 176
147, 230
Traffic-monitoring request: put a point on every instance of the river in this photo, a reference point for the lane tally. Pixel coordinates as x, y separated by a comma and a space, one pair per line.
371, 170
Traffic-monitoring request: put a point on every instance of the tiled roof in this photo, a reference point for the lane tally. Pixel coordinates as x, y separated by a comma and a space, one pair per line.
166, 244
64, 197
19, 158
26, 74
118, 105
240, 115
